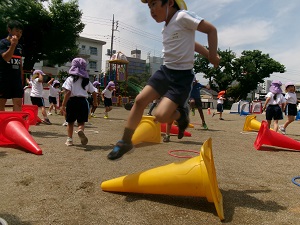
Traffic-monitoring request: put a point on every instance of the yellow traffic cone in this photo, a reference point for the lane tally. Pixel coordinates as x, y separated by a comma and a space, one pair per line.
193, 177
147, 131
251, 124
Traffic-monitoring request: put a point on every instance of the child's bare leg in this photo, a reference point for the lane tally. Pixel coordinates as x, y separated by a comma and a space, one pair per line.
70, 128
275, 125
290, 120
83, 138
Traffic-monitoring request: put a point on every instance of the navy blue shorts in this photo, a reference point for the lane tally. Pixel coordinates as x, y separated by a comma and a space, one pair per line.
173, 84
291, 110
219, 107
198, 102
107, 102
52, 100
77, 109
11, 88
39, 101
274, 112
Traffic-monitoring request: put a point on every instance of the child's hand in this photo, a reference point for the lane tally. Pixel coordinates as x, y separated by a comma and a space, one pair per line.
62, 110
215, 60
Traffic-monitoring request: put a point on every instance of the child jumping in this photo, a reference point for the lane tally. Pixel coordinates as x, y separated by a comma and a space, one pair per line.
75, 105
290, 107
54, 93
106, 97
274, 101
36, 94
173, 81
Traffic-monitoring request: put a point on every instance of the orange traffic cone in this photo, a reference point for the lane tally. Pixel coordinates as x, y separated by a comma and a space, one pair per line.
147, 131
269, 137
33, 113
14, 130
193, 177
208, 111
173, 130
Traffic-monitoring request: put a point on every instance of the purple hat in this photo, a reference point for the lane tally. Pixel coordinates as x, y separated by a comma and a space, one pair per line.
95, 83
38, 71
289, 84
55, 82
78, 68
275, 87
110, 84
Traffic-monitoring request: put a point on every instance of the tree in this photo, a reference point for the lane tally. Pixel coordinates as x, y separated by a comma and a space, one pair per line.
49, 34
238, 76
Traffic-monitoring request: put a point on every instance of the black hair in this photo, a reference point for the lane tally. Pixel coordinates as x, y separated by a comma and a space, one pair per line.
56, 85
274, 97
15, 24
163, 2
84, 82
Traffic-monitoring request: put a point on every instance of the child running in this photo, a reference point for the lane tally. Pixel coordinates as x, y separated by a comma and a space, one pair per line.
36, 94
220, 102
290, 107
173, 81
96, 84
274, 101
54, 92
106, 97
75, 105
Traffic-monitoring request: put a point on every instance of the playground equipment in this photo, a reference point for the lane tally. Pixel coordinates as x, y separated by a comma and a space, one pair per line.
147, 131
256, 107
14, 130
173, 130
193, 177
240, 106
135, 86
269, 137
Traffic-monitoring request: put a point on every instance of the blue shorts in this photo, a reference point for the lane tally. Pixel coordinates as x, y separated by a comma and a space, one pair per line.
52, 100
198, 102
39, 101
77, 109
173, 84
274, 112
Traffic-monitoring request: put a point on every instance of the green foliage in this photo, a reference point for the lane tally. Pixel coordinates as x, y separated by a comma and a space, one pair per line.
238, 76
49, 34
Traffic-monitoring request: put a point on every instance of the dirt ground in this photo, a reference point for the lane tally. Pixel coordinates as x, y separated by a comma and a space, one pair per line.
62, 186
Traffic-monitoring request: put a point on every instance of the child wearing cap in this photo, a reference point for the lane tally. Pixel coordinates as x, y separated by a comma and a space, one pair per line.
173, 81
10, 67
106, 97
96, 84
273, 104
36, 94
290, 107
54, 92
220, 102
75, 105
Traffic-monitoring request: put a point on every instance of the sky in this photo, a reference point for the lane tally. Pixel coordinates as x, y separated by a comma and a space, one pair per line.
270, 26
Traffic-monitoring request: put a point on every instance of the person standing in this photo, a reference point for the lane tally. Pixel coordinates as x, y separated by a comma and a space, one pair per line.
11, 66
106, 97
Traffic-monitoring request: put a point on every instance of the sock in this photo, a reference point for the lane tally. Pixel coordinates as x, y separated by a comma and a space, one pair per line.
128, 133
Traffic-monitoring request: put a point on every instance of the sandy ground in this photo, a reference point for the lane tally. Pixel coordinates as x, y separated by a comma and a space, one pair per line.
62, 186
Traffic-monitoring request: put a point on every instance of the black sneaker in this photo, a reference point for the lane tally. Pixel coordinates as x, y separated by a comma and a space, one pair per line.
183, 121
119, 150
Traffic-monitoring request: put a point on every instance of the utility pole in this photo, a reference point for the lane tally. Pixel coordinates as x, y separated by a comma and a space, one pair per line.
112, 34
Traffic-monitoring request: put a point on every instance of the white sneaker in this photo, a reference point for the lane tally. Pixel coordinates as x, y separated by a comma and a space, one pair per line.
84, 140
282, 130
65, 124
69, 142
49, 114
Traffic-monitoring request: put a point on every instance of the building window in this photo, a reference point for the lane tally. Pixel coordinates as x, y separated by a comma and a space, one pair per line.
93, 51
93, 65
83, 47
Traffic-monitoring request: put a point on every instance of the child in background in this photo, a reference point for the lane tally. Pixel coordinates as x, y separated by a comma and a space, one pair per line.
195, 100
220, 102
173, 81
96, 84
75, 105
54, 93
106, 97
274, 101
290, 107
36, 94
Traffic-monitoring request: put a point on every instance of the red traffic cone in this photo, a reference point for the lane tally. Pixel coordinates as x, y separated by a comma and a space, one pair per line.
271, 138
14, 130
173, 130
33, 113
208, 111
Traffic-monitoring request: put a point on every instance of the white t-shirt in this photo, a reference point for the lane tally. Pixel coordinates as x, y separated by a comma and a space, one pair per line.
36, 88
278, 101
76, 89
107, 93
53, 92
291, 97
220, 100
179, 40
